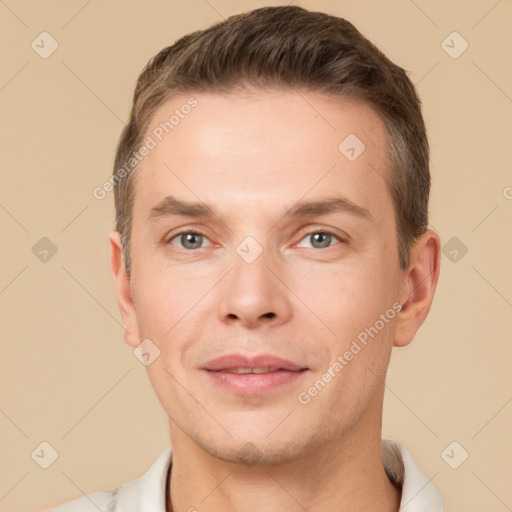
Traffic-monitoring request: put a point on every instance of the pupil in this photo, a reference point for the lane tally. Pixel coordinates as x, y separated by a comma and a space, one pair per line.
191, 240
323, 239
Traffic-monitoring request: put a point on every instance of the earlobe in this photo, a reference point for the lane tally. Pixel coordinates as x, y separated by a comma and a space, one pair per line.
123, 290
420, 284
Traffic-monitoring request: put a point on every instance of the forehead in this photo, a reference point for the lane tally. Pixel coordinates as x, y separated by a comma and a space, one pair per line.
264, 146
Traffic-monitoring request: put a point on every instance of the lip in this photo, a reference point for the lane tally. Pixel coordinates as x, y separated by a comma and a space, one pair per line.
231, 361
252, 383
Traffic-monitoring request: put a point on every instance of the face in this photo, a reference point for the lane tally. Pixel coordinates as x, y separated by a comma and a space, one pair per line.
265, 269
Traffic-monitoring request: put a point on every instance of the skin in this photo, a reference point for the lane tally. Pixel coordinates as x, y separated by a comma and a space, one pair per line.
252, 156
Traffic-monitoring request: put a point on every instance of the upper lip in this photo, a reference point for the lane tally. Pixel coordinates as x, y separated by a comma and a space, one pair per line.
232, 361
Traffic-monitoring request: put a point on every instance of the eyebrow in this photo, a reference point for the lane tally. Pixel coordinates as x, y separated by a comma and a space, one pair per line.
172, 206
328, 205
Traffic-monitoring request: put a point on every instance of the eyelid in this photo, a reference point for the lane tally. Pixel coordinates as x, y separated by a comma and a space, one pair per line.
341, 236
337, 241
169, 238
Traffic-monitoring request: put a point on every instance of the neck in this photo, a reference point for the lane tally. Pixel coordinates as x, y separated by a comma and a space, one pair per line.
345, 474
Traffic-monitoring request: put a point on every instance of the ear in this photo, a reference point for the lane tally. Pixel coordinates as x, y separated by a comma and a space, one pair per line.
420, 280
123, 290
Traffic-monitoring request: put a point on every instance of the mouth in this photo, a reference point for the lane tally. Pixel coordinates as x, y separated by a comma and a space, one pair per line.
241, 371
254, 375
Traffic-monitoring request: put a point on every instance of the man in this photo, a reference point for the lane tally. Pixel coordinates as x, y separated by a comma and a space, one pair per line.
271, 248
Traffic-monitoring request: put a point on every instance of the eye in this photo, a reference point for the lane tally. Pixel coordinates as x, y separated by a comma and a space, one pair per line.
319, 240
189, 240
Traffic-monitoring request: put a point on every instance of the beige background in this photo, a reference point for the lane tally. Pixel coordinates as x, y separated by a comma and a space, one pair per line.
67, 377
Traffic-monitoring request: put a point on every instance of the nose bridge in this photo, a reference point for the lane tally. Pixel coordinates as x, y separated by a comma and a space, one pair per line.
252, 293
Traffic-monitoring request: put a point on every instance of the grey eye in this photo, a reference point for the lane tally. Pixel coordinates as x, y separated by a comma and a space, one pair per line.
189, 240
318, 240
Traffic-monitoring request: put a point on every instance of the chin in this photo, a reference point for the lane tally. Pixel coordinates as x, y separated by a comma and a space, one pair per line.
251, 451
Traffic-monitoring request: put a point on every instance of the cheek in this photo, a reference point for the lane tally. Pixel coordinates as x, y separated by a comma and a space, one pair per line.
155, 308
164, 299
173, 312
347, 299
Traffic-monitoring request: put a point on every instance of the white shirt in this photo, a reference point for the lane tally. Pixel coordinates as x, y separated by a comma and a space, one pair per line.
147, 493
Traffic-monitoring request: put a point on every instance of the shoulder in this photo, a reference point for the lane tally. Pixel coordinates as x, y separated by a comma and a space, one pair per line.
146, 493
89, 503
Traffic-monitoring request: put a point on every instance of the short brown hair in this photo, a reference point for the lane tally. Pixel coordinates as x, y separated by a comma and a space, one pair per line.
293, 48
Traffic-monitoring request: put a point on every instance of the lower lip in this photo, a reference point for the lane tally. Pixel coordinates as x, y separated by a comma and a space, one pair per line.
253, 383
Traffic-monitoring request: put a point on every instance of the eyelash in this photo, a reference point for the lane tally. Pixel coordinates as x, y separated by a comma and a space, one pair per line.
187, 232
197, 232
324, 232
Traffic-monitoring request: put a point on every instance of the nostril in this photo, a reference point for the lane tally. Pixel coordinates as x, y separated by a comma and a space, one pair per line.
269, 315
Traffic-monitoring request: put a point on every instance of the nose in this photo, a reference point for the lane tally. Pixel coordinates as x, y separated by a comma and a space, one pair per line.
253, 294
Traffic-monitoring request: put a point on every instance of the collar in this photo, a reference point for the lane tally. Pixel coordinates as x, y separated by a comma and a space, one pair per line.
418, 494
148, 493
